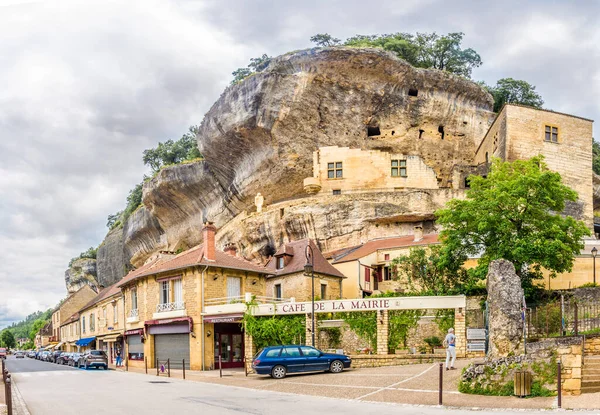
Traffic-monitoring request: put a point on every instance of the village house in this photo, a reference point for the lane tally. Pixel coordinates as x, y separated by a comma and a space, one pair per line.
43, 336
288, 277
102, 323
66, 309
70, 333
164, 300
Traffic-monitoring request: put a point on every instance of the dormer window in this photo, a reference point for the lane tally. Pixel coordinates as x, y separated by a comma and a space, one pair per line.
280, 262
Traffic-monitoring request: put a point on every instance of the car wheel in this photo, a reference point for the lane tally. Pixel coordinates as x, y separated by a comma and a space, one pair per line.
278, 372
336, 366
86, 366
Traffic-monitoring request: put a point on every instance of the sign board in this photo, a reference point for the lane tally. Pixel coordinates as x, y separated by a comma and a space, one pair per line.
231, 318
476, 334
477, 346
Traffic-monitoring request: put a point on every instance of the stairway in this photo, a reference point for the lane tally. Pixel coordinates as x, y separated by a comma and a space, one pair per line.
590, 381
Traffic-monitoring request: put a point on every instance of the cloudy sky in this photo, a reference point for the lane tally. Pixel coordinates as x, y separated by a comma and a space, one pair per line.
86, 86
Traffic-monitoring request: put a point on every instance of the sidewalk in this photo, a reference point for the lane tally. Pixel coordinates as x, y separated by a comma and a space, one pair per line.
411, 384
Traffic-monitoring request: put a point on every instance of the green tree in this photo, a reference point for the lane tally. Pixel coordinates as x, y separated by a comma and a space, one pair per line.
429, 271
514, 214
114, 220
425, 50
514, 91
173, 152
324, 40
8, 339
134, 200
90, 253
596, 157
240, 74
256, 65
35, 328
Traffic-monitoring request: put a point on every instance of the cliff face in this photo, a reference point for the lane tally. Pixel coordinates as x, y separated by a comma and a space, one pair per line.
111, 261
260, 136
81, 272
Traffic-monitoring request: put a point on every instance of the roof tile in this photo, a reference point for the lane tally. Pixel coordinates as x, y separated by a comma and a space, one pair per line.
387, 243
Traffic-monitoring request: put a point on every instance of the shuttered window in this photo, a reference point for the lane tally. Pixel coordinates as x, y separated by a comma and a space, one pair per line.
178, 291
234, 287
164, 293
136, 347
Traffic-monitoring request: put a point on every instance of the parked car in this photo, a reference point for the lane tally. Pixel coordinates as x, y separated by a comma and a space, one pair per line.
63, 358
278, 361
94, 358
73, 359
3, 353
54, 356
45, 356
20, 355
31, 355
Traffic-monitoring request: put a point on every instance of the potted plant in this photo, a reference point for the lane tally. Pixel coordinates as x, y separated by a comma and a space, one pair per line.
433, 342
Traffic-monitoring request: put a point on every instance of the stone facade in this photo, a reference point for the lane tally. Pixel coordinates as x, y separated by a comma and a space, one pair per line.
519, 134
72, 304
373, 360
299, 286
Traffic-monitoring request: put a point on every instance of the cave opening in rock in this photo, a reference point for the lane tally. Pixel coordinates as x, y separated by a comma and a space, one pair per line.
393, 132
413, 92
371, 131
421, 133
337, 191
441, 131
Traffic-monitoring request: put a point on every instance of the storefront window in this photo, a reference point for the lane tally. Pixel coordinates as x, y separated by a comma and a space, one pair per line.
135, 347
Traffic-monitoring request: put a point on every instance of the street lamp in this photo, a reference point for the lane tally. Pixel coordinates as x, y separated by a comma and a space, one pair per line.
309, 269
594, 253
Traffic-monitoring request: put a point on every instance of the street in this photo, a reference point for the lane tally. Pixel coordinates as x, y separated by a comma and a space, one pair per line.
51, 389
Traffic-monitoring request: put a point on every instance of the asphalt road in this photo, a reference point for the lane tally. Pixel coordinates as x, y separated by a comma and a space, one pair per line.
49, 389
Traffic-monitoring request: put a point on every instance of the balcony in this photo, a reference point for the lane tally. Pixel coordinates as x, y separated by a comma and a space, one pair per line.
133, 316
312, 185
170, 310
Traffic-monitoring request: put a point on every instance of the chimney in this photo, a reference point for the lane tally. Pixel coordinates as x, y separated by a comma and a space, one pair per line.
208, 238
418, 231
231, 249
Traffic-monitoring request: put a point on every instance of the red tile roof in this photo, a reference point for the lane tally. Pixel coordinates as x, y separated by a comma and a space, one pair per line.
339, 252
103, 295
71, 319
297, 251
387, 243
190, 258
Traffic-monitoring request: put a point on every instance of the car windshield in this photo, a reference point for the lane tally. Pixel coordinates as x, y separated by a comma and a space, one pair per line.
97, 353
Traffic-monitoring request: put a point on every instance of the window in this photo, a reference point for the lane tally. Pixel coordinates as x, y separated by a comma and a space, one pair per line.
135, 347
323, 291
273, 353
104, 313
372, 131
387, 273
336, 192
134, 305
290, 352
234, 287
334, 170
551, 134
164, 293
278, 291
310, 351
398, 168
178, 291
386, 257
92, 322
280, 262
115, 313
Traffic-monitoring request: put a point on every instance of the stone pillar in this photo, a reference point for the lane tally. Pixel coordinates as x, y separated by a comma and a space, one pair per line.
460, 330
308, 326
383, 318
249, 350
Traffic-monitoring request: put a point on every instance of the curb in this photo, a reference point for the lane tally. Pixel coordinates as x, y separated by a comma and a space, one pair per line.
20, 408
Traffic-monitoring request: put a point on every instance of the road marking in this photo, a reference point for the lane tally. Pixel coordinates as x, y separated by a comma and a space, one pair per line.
397, 383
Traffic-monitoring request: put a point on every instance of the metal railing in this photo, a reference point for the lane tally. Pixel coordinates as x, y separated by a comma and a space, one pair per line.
133, 313
242, 299
163, 308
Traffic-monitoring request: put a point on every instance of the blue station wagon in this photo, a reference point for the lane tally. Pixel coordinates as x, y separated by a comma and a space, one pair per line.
278, 361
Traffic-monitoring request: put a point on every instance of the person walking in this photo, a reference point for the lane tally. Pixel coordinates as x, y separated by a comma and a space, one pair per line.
119, 363
450, 344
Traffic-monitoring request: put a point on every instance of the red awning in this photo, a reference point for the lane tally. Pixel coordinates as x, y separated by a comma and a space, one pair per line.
224, 318
134, 332
177, 320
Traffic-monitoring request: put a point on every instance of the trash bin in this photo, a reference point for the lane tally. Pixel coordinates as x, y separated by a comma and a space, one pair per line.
522, 383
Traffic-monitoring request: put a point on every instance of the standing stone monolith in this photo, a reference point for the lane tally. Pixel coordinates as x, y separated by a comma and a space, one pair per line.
505, 304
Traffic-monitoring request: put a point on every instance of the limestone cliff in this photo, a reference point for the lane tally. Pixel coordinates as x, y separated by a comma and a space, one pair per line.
260, 136
81, 272
111, 261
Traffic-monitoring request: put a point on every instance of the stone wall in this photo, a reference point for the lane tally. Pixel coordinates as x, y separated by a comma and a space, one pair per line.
394, 360
299, 286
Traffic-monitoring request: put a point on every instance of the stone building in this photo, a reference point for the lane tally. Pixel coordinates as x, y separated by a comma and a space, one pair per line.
164, 300
367, 266
102, 323
73, 303
70, 333
288, 278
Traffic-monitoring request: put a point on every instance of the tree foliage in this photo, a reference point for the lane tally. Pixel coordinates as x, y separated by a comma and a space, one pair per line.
425, 50
275, 330
596, 157
514, 214
173, 152
7, 339
514, 91
431, 271
324, 40
256, 65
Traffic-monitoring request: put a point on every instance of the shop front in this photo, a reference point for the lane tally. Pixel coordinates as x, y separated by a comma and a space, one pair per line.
171, 339
86, 344
228, 341
134, 339
111, 344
